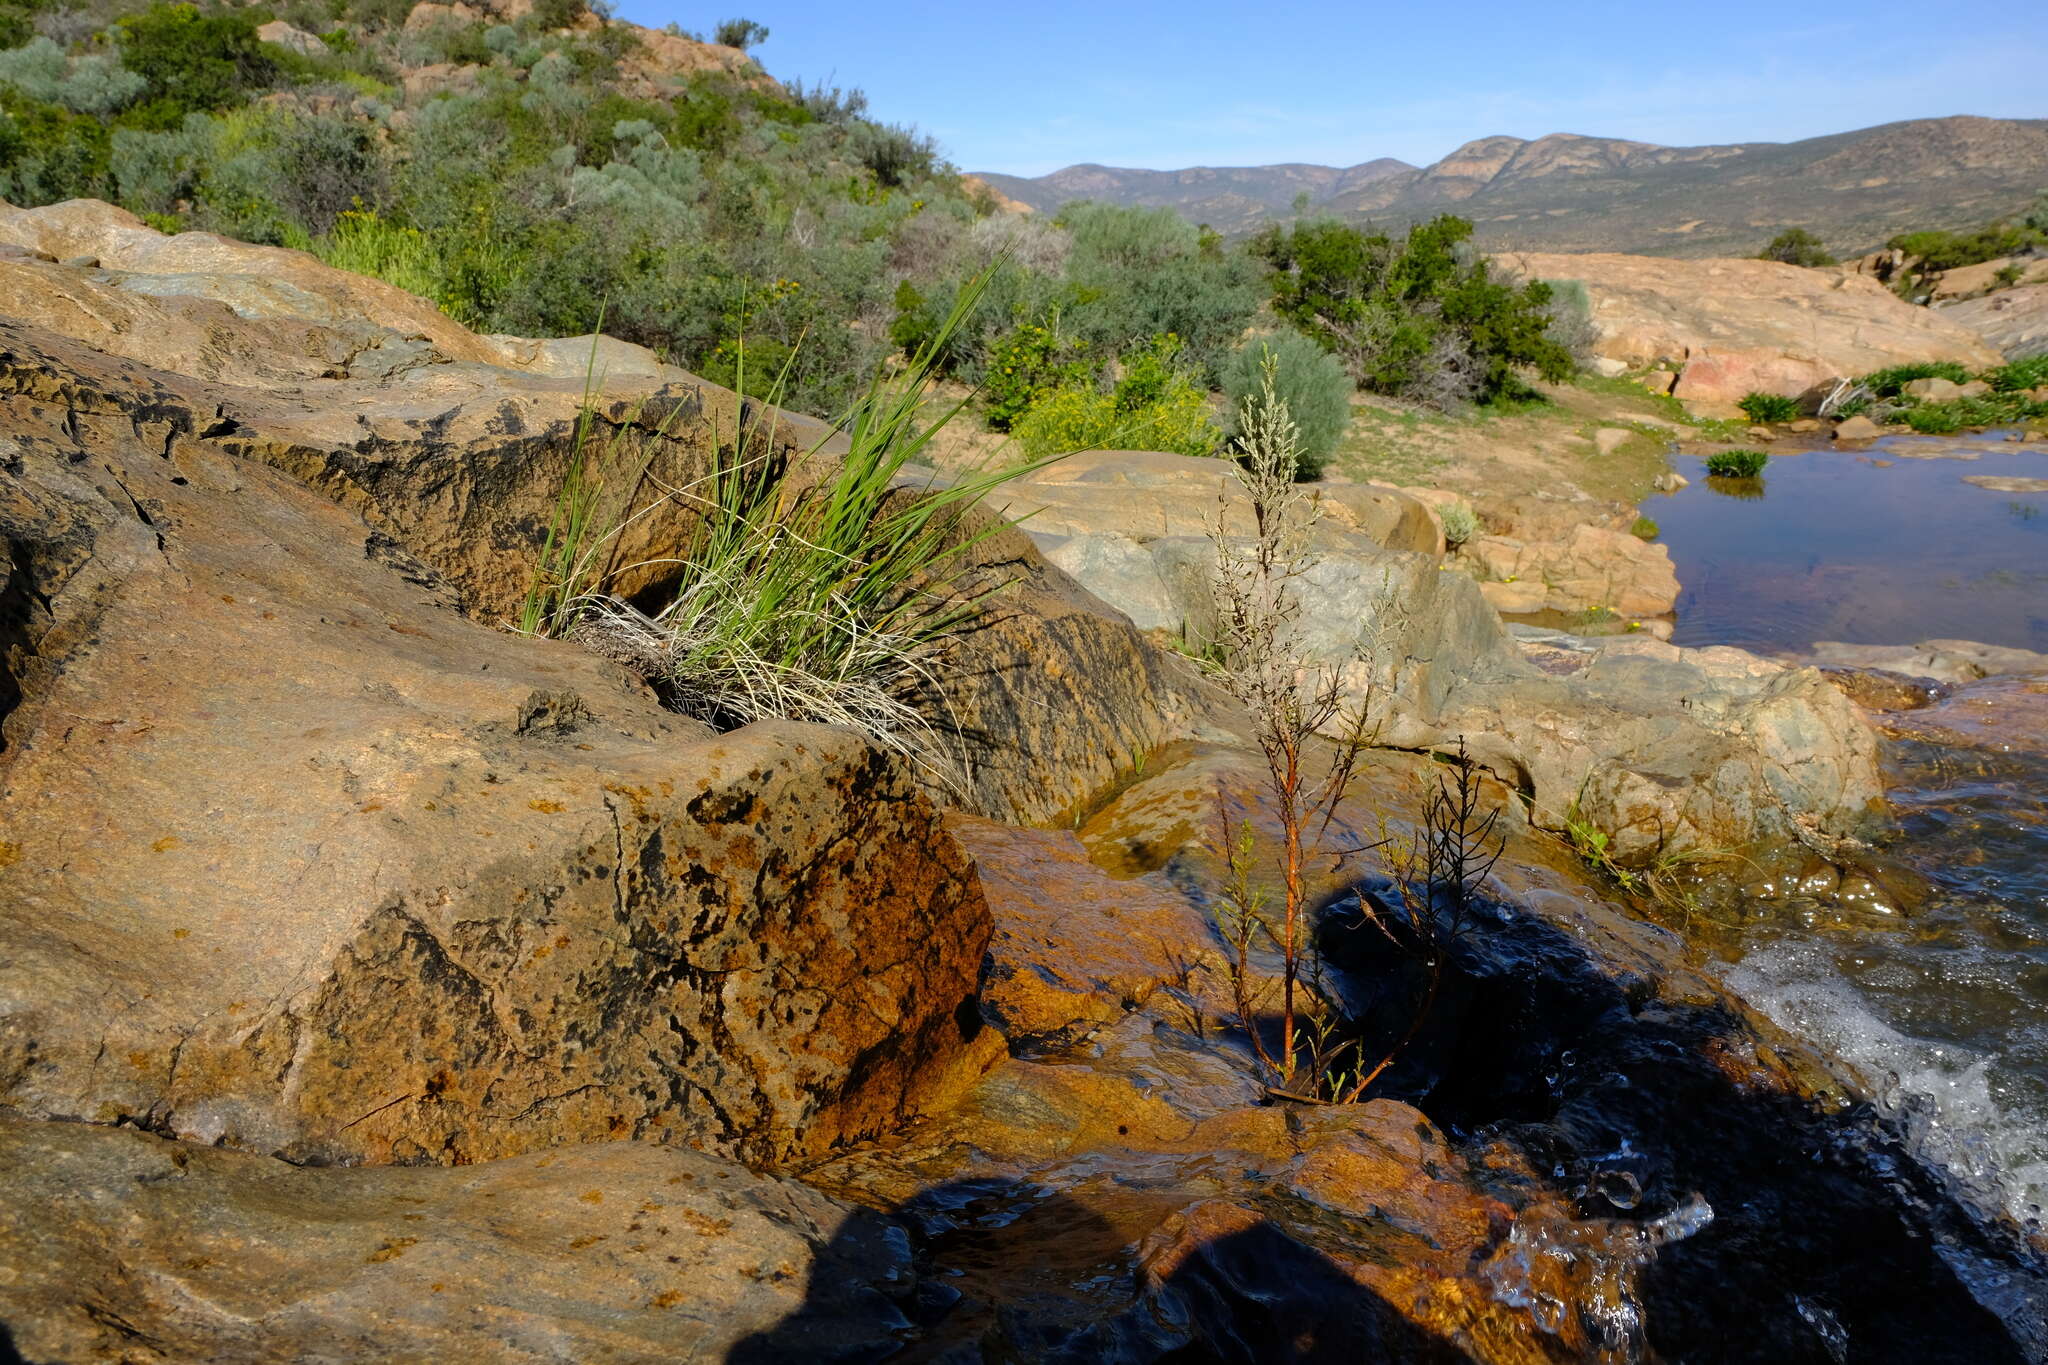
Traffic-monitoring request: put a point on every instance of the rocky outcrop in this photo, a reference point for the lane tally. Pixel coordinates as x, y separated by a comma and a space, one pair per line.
299, 859
1946, 661
1663, 749
1592, 567
126, 1247
456, 446
1733, 326
2015, 321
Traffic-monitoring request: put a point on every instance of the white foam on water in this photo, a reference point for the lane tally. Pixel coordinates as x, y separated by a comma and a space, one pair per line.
1944, 1098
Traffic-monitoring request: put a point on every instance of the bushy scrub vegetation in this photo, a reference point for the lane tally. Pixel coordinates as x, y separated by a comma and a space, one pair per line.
1422, 318
1158, 404
1304, 376
1768, 407
1736, 464
1797, 246
544, 184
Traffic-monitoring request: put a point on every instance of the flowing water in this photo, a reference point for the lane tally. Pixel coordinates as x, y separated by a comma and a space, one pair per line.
1885, 544
1943, 1005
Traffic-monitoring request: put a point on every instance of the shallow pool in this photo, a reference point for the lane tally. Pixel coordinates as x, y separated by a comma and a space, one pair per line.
1883, 544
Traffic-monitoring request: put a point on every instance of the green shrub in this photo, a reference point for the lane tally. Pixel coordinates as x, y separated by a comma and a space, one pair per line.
1935, 419
1768, 407
1026, 366
2029, 373
1157, 405
1950, 250
1420, 318
1736, 464
739, 33
192, 61
1308, 379
1891, 381
1796, 246
93, 84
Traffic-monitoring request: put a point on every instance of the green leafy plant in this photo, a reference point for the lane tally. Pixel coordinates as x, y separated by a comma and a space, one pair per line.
1420, 318
1768, 407
814, 588
1796, 246
1155, 406
2030, 373
1736, 464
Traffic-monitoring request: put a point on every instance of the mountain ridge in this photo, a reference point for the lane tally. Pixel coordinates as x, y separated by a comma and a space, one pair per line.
1575, 192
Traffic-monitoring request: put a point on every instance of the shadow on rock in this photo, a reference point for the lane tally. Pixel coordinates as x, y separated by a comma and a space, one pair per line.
1008, 1270
1829, 1241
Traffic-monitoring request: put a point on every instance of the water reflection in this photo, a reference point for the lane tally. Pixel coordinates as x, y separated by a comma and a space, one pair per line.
1884, 546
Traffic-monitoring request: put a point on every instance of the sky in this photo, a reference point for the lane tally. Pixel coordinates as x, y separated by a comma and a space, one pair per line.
1028, 88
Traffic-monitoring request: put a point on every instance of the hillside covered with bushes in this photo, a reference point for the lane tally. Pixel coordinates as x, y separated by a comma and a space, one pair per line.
544, 170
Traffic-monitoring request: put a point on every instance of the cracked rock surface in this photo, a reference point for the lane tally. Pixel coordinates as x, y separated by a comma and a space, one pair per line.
301, 860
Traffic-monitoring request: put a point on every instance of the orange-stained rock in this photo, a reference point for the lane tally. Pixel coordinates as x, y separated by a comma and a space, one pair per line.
1072, 948
299, 858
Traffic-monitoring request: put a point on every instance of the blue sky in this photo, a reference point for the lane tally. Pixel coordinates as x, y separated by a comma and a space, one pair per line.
1028, 88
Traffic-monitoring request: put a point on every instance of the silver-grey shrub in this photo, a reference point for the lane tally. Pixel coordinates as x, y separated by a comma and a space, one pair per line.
1307, 378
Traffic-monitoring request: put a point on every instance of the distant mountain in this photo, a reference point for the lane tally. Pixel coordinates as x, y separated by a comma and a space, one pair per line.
1227, 198
1571, 193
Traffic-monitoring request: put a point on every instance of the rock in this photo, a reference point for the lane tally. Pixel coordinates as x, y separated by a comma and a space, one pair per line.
1879, 689
1738, 326
455, 446
1072, 949
1999, 483
1948, 661
1514, 599
2015, 321
1607, 367
296, 39
1804, 426
1150, 494
1935, 390
1607, 440
2002, 714
1670, 481
1761, 434
1656, 381
332, 871
1967, 281
1667, 748
1857, 428
1594, 567
129, 1247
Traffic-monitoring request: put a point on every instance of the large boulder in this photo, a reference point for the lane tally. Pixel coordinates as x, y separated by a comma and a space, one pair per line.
457, 445
299, 859
1732, 326
1664, 749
